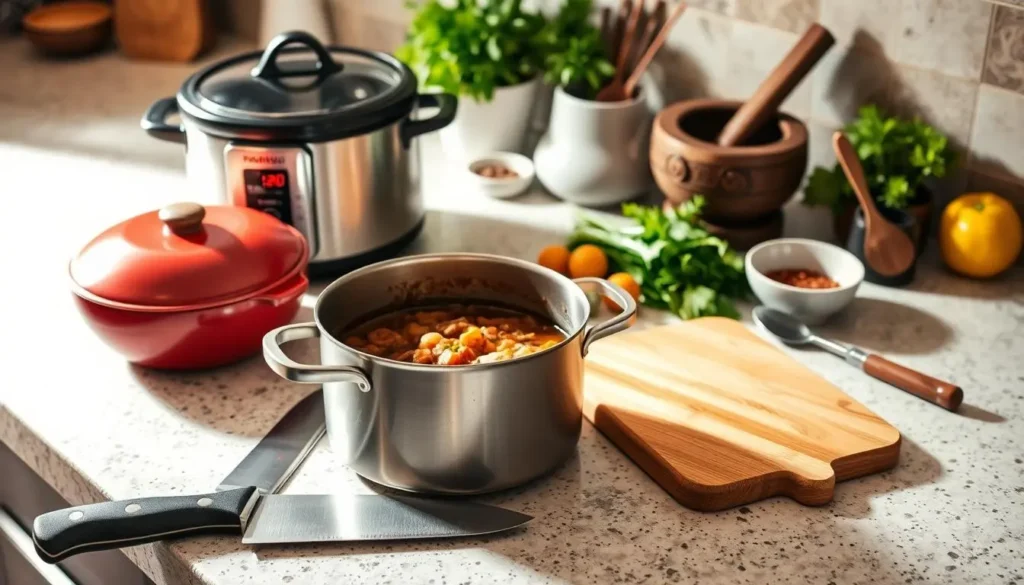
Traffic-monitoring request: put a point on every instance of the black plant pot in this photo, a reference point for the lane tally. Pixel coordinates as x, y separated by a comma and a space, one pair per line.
920, 206
855, 244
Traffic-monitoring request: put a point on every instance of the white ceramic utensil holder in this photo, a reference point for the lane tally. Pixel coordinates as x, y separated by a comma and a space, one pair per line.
595, 153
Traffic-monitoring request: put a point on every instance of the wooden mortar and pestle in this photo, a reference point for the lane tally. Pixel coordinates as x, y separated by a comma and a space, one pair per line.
746, 158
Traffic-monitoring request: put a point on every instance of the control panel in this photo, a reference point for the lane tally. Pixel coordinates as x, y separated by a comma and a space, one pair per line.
275, 180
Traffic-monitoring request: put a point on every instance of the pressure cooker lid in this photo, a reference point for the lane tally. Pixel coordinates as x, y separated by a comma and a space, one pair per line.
296, 81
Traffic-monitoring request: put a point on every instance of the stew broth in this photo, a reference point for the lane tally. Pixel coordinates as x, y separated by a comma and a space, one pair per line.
453, 335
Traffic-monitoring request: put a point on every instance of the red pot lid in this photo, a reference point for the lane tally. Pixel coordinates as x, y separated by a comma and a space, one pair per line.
185, 256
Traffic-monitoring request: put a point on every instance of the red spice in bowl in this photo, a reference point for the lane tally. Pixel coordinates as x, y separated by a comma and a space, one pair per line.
802, 278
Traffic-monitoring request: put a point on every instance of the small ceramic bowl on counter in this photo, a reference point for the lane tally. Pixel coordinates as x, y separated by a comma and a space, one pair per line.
70, 28
501, 174
805, 264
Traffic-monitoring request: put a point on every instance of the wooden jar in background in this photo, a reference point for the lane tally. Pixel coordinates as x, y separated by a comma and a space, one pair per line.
164, 30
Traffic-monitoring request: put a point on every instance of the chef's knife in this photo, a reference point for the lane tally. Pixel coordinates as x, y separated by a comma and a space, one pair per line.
263, 519
265, 469
273, 461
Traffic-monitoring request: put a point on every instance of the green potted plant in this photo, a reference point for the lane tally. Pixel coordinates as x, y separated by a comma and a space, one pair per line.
898, 156
573, 54
488, 54
593, 153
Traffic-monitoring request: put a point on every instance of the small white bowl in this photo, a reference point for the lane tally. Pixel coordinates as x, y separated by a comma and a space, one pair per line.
812, 306
501, 188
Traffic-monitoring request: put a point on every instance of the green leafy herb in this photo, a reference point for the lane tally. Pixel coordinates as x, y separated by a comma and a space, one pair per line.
470, 48
677, 263
574, 55
897, 156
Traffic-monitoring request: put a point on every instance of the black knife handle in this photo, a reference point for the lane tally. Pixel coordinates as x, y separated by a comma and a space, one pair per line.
108, 525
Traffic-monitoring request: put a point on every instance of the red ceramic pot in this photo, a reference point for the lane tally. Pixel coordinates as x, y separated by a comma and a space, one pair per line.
191, 287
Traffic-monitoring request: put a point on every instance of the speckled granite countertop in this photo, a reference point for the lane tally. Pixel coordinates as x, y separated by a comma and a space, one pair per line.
95, 428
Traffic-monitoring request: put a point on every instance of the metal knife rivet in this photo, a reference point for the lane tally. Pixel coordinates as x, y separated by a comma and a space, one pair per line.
204, 502
76, 516
132, 508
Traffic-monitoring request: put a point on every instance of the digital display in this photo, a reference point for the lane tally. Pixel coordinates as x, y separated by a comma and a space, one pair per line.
274, 180
267, 190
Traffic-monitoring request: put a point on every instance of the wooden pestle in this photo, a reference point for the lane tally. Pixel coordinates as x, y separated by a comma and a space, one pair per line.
777, 86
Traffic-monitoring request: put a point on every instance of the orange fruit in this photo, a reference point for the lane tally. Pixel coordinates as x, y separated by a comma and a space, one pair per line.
555, 257
626, 282
588, 260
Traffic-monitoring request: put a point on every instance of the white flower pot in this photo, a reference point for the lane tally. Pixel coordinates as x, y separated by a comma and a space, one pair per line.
595, 153
501, 124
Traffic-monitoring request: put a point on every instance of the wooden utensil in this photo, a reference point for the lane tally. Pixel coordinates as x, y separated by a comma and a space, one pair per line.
170, 30
887, 249
721, 418
652, 25
648, 56
777, 86
791, 331
606, 30
619, 29
615, 90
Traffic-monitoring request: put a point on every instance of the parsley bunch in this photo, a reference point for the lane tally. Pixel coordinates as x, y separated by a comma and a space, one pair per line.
897, 156
678, 264
469, 48
472, 47
574, 54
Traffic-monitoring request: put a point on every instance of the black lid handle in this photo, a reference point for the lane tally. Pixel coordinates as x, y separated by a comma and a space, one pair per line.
268, 69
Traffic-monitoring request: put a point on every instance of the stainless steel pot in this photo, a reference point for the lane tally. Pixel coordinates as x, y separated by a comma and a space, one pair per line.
320, 137
451, 430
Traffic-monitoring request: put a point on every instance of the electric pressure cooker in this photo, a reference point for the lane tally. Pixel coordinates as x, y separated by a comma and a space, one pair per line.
322, 138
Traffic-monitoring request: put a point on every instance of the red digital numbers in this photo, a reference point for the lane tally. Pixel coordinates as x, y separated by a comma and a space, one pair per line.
273, 180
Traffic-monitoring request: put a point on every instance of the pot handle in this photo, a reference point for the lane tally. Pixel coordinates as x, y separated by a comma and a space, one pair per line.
154, 121
617, 323
449, 105
287, 292
289, 369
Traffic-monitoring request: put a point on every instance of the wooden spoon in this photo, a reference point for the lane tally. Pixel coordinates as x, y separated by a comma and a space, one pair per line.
615, 91
619, 29
777, 86
654, 22
607, 34
648, 56
887, 250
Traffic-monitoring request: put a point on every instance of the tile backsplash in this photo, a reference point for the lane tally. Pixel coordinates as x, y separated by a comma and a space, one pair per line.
959, 64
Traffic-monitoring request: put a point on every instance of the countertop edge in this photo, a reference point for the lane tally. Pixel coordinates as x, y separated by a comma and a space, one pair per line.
158, 561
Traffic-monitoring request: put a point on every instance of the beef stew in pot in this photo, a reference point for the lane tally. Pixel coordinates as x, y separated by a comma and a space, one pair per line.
453, 335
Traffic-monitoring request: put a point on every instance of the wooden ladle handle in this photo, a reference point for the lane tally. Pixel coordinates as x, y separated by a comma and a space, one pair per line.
777, 86
946, 395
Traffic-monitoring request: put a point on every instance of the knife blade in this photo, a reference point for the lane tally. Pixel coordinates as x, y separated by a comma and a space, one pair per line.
264, 470
344, 518
275, 458
263, 519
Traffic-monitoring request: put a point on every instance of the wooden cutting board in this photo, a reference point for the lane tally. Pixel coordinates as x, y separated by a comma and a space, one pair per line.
719, 417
